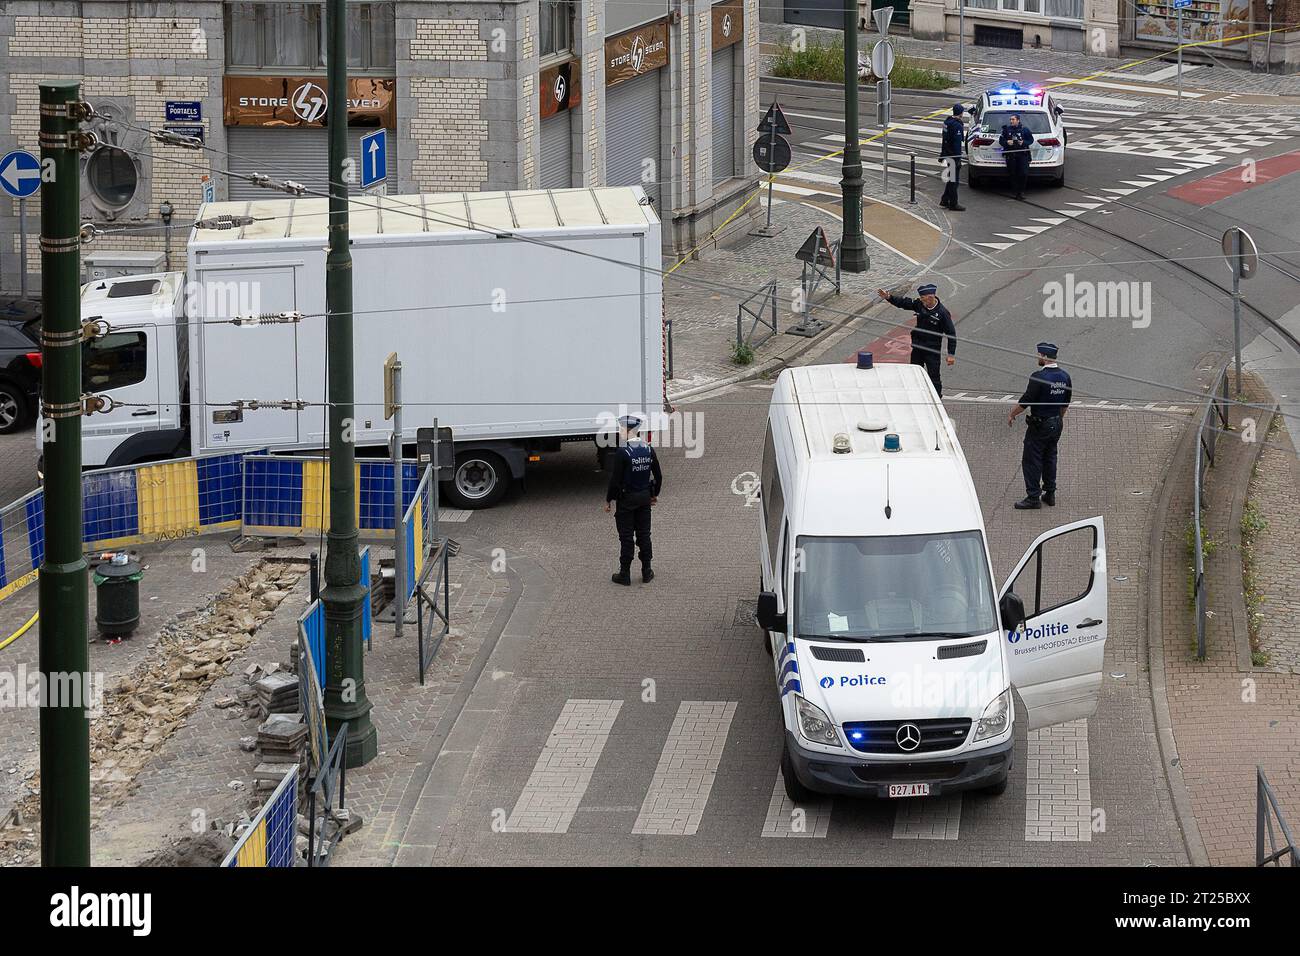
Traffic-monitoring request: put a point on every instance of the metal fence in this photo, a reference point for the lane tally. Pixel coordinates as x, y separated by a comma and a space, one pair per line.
754, 307
270, 840
1213, 419
1266, 811
433, 623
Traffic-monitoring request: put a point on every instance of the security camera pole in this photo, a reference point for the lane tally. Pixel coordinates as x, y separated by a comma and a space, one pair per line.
63, 650
345, 679
853, 245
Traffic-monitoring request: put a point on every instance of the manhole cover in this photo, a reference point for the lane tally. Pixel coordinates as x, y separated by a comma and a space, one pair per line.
745, 616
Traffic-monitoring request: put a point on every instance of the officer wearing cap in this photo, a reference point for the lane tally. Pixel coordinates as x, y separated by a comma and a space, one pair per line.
1015, 141
1046, 399
933, 322
634, 483
954, 136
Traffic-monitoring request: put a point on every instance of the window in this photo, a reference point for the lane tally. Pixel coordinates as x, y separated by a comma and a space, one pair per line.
114, 361
556, 27
993, 121
982, 4
111, 175
291, 36
911, 587
773, 503
1059, 572
1065, 9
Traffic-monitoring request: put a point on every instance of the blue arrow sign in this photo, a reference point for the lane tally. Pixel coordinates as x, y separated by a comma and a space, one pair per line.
20, 174
374, 158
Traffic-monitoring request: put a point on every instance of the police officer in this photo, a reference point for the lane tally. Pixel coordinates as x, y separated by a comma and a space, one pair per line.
933, 322
1015, 142
954, 137
1046, 399
634, 483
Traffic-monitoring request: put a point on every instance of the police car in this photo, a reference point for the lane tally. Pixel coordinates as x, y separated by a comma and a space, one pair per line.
1039, 112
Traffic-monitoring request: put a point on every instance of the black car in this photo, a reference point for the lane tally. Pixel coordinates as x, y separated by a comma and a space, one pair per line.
20, 362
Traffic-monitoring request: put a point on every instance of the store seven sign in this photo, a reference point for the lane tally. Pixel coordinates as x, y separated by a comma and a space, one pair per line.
302, 101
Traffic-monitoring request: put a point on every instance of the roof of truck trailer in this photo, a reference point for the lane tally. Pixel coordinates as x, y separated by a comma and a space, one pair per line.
440, 213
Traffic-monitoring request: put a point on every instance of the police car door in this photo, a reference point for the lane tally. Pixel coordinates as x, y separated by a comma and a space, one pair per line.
1055, 658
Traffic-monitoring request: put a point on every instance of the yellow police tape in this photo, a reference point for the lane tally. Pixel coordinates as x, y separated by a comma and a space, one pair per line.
20, 632
771, 177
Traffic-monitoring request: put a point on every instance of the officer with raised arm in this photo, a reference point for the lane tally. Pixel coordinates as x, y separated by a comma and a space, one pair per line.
933, 322
634, 483
1046, 400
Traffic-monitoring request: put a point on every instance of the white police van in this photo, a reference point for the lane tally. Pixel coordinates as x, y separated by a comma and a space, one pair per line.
1038, 111
894, 656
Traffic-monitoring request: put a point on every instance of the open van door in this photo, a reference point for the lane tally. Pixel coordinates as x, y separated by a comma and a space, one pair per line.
1055, 656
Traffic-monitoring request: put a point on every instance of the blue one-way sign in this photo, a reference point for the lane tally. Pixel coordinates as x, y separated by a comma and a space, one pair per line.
20, 174
374, 158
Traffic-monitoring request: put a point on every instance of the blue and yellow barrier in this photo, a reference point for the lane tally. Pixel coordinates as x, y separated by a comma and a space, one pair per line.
270, 840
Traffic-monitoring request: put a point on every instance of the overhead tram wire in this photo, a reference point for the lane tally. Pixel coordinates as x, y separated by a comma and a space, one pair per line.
720, 286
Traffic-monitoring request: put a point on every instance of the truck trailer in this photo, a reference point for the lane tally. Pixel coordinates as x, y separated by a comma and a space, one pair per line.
523, 320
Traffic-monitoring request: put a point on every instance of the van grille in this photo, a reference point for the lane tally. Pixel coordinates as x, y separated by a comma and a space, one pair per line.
961, 650
845, 654
881, 736
910, 772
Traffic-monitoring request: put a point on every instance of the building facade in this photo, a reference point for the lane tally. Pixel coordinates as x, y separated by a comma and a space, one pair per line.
475, 95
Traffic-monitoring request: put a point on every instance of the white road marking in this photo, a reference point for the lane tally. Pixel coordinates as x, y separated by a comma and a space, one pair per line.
1058, 788
928, 818
564, 768
1123, 87
688, 766
796, 820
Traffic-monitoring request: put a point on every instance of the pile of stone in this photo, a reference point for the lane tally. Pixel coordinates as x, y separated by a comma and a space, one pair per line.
281, 741
277, 693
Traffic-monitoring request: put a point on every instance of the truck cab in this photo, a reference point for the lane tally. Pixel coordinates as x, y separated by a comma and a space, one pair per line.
137, 362
894, 654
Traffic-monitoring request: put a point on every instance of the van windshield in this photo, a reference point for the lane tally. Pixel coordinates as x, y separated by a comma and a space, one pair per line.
913, 587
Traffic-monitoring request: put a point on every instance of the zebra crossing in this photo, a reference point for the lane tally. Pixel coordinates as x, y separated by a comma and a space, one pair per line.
1203, 140
1057, 782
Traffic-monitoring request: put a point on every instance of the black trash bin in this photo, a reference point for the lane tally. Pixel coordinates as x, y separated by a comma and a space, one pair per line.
117, 598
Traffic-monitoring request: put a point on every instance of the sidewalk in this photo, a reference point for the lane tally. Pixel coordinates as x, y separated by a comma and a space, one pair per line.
702, 297
1226, 714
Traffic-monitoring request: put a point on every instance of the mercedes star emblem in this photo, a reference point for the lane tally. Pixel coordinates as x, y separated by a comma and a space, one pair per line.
908, 737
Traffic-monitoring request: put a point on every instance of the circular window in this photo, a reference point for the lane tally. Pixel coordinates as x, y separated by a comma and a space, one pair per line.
112, 176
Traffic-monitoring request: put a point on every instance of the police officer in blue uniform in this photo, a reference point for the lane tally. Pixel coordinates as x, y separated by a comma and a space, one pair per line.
1046, 400
1015, 141
950, 150
634, 483
933, 322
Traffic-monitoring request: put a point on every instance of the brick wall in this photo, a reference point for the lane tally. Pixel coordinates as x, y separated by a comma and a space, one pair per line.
449, 132
448, 40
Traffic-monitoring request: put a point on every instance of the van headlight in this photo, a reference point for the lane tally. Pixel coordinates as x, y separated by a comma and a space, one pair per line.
997, 716
814, 724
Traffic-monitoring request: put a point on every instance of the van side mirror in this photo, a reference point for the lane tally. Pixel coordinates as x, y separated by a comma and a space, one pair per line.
1012, 611
768, 618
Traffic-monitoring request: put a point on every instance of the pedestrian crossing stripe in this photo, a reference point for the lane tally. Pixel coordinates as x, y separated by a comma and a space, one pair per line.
1057, 780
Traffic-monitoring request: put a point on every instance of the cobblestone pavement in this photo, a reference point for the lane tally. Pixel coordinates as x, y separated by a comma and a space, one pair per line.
1216, 78
639, 725
703, 297
1227, 717
1277, 551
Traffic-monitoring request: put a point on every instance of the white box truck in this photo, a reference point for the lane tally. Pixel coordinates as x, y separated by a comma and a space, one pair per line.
522, 320
894, 656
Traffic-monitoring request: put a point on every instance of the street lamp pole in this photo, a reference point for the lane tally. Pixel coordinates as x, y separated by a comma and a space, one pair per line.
345, 680
853, 245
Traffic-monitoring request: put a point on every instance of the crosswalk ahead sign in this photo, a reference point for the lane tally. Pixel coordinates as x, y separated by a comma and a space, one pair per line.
374, 158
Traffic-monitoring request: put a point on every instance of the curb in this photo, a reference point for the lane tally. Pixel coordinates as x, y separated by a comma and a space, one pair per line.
1154, 597
862, 85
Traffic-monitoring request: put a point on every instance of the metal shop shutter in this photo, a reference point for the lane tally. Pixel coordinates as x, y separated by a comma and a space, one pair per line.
298, 154
557, 151
632, 118
724, 113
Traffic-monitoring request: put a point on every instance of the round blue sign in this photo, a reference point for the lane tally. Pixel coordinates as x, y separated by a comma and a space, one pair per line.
20, 174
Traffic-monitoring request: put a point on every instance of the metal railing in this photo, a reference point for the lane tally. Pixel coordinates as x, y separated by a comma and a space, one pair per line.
1213, 419
767, 303
1266, 810
427, 611
329, 780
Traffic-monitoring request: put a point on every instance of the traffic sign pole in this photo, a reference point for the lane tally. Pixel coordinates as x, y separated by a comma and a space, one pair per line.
22, 247
1236, 305
853, 244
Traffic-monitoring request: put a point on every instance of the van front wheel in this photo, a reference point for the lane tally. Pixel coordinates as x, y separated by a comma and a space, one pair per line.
795, 790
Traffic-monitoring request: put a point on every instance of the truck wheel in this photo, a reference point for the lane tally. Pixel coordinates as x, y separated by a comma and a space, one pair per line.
795, 790
480, 480
13, 408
